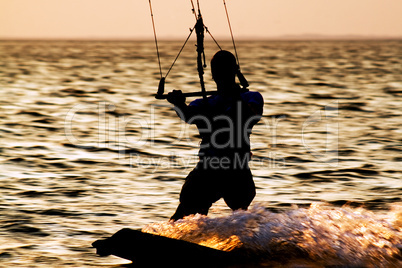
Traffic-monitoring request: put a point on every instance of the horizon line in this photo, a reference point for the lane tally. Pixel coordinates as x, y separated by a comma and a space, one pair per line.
289, 37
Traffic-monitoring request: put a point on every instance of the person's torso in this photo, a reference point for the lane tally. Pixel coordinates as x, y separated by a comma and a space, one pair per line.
225, 124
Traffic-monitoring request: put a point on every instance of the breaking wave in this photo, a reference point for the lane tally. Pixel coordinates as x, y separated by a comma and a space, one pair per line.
323, 234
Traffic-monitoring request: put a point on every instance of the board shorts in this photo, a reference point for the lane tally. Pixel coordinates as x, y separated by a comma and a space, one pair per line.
204, 186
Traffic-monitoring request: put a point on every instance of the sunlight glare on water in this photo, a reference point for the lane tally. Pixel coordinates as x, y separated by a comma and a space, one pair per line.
86, 150
324, 234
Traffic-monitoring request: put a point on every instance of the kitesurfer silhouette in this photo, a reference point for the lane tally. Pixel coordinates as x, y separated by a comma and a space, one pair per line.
224, 122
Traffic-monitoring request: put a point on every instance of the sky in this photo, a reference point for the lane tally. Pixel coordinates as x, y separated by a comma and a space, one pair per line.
130, 19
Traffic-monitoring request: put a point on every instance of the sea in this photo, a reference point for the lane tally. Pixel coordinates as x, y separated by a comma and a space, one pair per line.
86, 150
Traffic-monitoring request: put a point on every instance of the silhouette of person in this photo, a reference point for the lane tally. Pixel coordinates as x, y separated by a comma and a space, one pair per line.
224, 122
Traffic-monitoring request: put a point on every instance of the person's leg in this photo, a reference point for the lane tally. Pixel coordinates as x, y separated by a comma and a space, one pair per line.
185, 209
197, 194
239, 189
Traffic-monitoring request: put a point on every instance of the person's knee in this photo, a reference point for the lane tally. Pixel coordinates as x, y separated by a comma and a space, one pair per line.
240, 201
185, 209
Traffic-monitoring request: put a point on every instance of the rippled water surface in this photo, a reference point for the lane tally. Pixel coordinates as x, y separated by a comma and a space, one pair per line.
86, 150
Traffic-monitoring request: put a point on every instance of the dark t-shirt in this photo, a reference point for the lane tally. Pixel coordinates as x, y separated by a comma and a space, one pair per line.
225, 123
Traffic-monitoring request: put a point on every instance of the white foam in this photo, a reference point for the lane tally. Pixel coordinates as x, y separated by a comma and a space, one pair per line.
352, 236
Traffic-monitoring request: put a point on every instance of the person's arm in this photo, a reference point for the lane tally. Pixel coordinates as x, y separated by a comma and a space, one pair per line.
254, 103
255, 108
184, 111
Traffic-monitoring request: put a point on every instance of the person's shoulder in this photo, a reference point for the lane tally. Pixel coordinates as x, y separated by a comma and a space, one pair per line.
196, 102
252, 93
211, 100
253, 96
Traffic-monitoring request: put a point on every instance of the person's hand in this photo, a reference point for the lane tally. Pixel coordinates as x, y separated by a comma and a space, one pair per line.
176, 97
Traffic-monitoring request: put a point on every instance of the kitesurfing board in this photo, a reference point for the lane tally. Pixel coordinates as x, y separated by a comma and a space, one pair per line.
151, 250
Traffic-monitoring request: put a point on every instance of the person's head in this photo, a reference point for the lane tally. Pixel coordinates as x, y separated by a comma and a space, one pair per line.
224, 67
